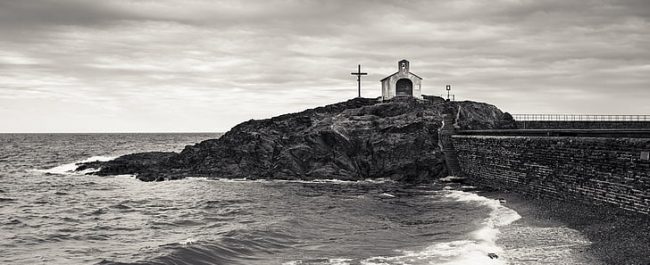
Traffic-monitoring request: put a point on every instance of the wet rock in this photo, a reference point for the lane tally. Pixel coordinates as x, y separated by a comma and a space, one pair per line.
493, 255
128, 164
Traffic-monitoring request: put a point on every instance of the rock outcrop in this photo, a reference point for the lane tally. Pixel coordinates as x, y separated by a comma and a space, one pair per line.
357, 139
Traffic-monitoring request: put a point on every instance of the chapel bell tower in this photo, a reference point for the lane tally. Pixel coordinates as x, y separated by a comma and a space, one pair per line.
403, 66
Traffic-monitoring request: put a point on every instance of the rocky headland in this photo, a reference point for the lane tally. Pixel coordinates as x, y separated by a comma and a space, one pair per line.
353, 140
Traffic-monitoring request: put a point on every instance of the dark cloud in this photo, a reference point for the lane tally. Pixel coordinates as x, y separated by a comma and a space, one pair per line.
23, 15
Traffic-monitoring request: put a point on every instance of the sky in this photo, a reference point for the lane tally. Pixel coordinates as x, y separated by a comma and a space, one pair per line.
205, 66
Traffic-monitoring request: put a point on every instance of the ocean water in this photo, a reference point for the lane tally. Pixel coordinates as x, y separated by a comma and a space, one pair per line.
50, 215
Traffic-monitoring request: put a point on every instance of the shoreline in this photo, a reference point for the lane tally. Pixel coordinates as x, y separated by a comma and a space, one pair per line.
585, 234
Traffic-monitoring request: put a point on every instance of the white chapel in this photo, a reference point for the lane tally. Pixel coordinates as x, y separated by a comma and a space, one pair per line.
402, 83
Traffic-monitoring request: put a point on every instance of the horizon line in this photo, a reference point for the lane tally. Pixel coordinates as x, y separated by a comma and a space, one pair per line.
108, 132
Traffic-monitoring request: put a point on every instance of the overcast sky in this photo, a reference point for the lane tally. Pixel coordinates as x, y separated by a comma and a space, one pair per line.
199, 65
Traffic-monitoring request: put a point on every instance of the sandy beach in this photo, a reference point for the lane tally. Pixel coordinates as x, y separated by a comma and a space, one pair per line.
558, 232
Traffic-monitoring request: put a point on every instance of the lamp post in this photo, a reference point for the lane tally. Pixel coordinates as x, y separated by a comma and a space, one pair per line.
448, 87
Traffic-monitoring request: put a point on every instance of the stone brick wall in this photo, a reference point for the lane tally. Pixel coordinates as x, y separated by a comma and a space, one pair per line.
598, 170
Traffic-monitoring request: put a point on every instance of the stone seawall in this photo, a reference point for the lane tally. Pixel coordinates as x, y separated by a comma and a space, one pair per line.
598, 170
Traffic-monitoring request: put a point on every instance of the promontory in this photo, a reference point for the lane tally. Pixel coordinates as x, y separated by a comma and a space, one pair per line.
357, 139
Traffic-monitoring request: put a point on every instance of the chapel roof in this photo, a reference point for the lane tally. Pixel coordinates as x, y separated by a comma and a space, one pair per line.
398, 73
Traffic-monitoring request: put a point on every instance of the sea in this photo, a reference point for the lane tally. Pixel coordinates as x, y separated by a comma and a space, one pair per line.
50, 214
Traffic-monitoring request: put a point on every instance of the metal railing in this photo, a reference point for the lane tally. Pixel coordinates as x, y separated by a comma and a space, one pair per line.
579, 117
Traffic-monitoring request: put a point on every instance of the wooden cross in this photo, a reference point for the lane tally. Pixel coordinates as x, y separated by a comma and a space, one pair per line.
359, 74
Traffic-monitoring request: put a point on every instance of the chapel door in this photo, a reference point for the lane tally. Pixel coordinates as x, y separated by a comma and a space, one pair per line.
404, 87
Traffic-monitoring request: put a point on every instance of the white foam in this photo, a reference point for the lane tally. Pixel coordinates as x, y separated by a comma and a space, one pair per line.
450, 178
188, 241
336, 261
461, 252
338, 181
339, 261
69, 168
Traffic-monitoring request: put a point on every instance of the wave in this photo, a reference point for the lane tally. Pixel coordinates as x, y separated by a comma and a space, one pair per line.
336, 261
314, 181
474, 250
233, 247
69, 168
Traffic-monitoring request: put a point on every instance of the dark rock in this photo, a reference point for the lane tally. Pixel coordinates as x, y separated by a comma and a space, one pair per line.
507, 122
128, 164
493, 255
353, 140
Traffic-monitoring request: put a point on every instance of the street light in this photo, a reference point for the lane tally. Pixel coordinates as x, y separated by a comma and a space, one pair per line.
448, 87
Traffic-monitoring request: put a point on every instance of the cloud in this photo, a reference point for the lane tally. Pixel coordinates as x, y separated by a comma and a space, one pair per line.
199, 65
